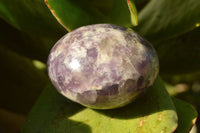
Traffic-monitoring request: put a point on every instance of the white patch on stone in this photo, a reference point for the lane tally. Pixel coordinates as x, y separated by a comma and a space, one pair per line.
105, 51
74, 64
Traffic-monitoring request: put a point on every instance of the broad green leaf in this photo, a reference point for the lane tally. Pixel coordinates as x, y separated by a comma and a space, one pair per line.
187, 116
152, 112
164, 19
31, 16
73, 14
21, 82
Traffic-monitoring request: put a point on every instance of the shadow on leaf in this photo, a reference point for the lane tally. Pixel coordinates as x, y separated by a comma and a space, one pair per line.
51, 114
155, 100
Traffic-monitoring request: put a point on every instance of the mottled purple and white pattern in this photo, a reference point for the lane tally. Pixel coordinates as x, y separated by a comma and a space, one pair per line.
102, 66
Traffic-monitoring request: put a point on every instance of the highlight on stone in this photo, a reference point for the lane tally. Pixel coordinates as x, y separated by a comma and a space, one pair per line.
102, 66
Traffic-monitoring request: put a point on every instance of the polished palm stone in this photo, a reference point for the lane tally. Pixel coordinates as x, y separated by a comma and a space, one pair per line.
102, 66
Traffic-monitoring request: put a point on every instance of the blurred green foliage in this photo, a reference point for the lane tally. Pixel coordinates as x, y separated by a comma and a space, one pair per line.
29, 29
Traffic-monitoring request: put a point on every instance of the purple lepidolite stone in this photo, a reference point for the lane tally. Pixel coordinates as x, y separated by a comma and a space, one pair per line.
102, 66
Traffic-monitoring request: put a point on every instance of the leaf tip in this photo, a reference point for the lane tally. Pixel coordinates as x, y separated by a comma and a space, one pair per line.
45, 1
54, 14
133, 11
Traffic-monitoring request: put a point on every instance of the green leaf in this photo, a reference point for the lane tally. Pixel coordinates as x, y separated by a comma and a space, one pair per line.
187, 116
31, 16
164, 19
152, 112
21, 82
73, 14
132, 8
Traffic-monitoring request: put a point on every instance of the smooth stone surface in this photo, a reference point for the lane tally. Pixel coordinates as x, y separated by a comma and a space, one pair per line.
102, 66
